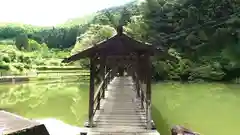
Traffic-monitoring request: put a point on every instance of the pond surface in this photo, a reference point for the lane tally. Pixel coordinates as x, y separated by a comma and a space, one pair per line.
208, 108
65, 100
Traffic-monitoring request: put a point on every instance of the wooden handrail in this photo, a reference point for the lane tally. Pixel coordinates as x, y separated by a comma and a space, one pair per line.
99, 92
144, 95
100, 86
140, 86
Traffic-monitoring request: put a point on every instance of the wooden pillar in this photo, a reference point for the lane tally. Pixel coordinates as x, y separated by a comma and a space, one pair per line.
148, 91
142, 99
103, 73
91, 92
141, 72
137, 76
108, 68
114, 71
131, 72
106, 77
105, 81
137, 86
109, 75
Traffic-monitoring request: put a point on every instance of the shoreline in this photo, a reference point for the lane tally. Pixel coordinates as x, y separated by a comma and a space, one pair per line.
16, 79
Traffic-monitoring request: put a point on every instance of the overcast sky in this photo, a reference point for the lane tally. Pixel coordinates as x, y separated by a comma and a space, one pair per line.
50, 12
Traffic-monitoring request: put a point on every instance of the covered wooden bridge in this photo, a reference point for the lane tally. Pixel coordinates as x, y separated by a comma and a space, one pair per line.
122, 102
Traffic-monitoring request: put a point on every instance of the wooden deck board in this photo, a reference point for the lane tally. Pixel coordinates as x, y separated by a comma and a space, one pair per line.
120, 111
11, 124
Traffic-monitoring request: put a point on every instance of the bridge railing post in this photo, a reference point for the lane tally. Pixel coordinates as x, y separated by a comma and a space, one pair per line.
106, 83
103, 88
108, 78
103, 74
98, 101
137, 87
142, 99
136, 81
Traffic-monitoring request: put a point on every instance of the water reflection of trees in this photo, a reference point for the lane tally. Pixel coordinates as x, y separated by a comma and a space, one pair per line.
33, 97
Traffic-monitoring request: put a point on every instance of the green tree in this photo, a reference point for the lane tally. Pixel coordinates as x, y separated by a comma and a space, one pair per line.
137, 28
93, 35
22, 42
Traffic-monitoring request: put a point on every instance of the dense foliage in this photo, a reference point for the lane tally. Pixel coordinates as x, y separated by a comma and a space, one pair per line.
13, 61
203, 35
55, 37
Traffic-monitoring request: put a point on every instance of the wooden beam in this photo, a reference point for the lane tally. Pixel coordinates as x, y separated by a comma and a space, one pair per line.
141, 70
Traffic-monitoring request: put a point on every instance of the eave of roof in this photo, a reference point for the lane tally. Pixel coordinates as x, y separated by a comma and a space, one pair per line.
92, 49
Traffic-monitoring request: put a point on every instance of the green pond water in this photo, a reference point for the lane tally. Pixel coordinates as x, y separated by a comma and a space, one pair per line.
208, 108
66, 100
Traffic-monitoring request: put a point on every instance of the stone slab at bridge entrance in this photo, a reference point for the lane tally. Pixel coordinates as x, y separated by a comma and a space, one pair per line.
122, 102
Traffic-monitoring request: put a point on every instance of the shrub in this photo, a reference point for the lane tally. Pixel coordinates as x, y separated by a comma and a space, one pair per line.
206, 72
52, 62
27, 66
5, 57
14, 70
34, 45
44, 47
19, 66
4, 65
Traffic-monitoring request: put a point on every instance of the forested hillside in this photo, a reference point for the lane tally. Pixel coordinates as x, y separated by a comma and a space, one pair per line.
203, 35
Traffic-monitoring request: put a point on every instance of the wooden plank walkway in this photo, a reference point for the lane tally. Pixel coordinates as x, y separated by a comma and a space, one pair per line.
120, 112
